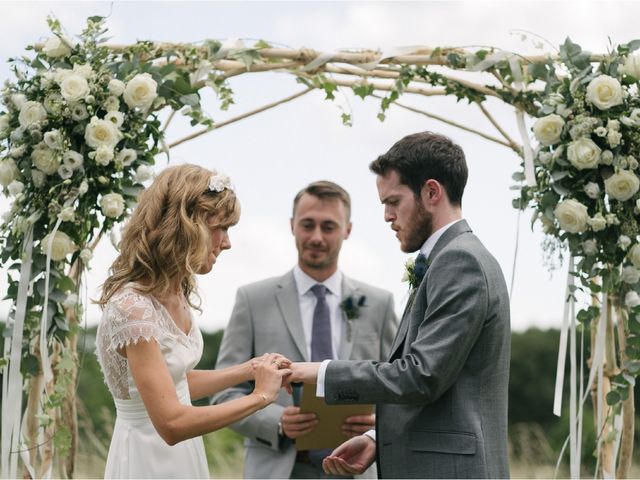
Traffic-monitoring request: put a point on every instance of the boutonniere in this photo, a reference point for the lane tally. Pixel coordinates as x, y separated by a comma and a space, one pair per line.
351, 308
414, 271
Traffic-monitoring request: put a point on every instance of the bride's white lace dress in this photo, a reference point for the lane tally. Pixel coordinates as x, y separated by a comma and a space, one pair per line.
137, 450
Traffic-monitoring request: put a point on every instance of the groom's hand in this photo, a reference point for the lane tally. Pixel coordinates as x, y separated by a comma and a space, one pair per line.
304, 372
296, 424
358, 424
353, 457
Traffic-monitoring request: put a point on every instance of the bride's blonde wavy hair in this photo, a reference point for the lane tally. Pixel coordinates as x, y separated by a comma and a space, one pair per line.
166, 240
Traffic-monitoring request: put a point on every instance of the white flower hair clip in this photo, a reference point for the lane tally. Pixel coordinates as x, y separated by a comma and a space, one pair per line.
219, 181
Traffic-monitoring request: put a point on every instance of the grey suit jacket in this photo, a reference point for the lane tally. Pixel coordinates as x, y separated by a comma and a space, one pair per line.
266, 318
442, 396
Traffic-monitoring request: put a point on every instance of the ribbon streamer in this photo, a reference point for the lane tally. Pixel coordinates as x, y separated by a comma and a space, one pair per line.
12, 377
529, 172
562, 350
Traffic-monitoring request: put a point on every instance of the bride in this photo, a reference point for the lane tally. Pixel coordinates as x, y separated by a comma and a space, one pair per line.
147, 341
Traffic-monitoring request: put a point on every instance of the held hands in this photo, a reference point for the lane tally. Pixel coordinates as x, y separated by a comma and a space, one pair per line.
270, 372
353, 457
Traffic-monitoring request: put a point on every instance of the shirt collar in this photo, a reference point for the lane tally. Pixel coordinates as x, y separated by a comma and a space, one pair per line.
304, 282
427, 246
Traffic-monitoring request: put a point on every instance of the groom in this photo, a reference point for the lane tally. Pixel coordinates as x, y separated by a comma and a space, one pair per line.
442, 394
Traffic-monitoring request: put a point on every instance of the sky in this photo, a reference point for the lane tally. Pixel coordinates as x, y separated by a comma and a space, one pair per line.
272, 155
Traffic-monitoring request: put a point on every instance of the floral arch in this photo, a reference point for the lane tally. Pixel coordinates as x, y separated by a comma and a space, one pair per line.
80, 130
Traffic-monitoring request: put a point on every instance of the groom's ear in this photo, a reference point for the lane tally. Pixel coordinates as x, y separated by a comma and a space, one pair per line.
349, 225
291, 224
432, 192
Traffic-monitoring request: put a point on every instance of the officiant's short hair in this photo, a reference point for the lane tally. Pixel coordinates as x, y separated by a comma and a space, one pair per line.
423, 156
324, 189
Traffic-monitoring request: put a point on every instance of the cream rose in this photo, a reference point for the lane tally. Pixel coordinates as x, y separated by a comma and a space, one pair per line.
548, 129
45, 160
622, 185
572, 216
103, 155
583, 153
74, 88
4, 126
634, 255
61, 245
55, 47
630, 275
8, 171
31, 113
631, 66
604, 92
632, 299
102, 133
140, 91
112, 205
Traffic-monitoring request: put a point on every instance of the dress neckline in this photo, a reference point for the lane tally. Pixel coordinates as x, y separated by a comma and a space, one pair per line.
173, 322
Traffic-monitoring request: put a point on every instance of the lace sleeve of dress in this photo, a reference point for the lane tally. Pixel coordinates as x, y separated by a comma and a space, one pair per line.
133, 318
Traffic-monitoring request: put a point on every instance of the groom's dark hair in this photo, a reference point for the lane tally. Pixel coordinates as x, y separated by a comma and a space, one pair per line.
324, 189
423, 156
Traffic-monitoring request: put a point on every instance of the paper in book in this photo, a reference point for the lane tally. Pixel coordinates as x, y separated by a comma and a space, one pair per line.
328, 431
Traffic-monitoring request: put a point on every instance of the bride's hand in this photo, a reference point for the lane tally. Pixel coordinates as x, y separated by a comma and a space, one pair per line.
269, 372
281, 360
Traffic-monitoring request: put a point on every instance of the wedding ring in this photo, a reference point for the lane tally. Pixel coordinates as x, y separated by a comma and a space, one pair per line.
277, 363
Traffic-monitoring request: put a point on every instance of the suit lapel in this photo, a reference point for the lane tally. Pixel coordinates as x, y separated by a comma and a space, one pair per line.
348, 326
452, 232
287, 298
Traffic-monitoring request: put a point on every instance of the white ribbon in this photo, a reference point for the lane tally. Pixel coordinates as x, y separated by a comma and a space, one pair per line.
562, 350
529, 172
12, 378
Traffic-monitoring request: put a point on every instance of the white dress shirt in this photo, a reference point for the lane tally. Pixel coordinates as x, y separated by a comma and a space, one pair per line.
307, 301
426, 249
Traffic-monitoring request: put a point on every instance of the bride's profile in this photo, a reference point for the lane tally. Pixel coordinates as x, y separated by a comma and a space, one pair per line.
147, 341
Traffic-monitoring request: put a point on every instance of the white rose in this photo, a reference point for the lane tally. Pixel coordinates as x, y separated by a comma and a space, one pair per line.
116, 87
632, 299
631, 66
86, 255
548, 129
111, 104
597, 222
54, 47
102, 133
45, 160
112, 205
140, 91
15, 188
32, 113
79, 112
143, 173
604, 92
126, 156
590, 247
630, 275
572, 216
606, 158
38, 178
74, 88
634, 255
72, 159
4, 126
53, 139
8, 171
103, 155
65, 172
624, 242
61, 245
71, 301
117, 118
18, 99
592, 190
83, 188
583, 153
622, 185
